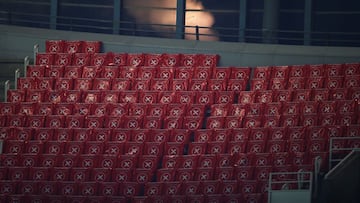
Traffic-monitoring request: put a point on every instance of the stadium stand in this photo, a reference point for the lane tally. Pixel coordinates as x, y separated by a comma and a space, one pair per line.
86, 126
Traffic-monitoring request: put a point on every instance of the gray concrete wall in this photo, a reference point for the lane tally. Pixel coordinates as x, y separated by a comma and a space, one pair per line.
17, 42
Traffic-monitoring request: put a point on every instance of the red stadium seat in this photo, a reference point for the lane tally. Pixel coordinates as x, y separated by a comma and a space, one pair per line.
72, 72
91, 47
189, 60
62, 59
44, 59
74, 46
81, 59
171, 60
54, 46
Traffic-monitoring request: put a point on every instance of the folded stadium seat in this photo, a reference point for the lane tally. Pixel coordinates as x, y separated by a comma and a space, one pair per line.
139, 135
221, 135
259, 84
197, 148
202, 73
121, 84
165, 73
251, 121
166, 97
72, 121
44, 59
255, 109
224, 97
236, 85
240, 134
110, 72
121, 175
173, 148
278, 133
64, 84
73, 96
23, 133
43, 134
216, 147
320, 95
298, 71
14, 146
189, 60
91, 47
108, 189
244, 173
280, 72
204, 174
133, 122
54, 71
295, 83
171, 60
221, 73
135, 59
316, 70
101, 59
334, 82
118, 59
148, 97
276, 146
339, 94
221, 110
264, 96
62, 59
183, 74
240, 73
73, 46
153, 148
48, 188
16, 121
63, 109
67, 160
184, 97
54, 147
278, 84
247, 187
138, 109
79, 174
352, 81
93, 147
54, 46
315, 83
35, 121
81, 59
261, 159
147, 73
74, 72
35, 71
232, 122
256, 146
25, 83
217, 85
271, 121
259, 134
177, 85
165, 175
35, 96
309, 120
198, 85
153, 190
246, 97
114, 148
330, 119
128, 96
351, 69
153, 60
68, 189
334, 70
47, 161
128, 72
92, 71
91, 96
204, 97
207, 161
282, 95
272, 109
159, 135
301, 95
62, 134
185, 175
110, 97
8, 108
152, 122
26, 109
173, 122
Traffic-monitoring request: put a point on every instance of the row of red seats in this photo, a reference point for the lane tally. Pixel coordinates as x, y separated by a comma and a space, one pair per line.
178, 135
208, 98
72, 46
170, 122
125, 84
93, 192
126, 59
306, 71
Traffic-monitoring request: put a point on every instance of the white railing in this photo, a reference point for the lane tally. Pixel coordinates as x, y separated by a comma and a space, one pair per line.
339, 148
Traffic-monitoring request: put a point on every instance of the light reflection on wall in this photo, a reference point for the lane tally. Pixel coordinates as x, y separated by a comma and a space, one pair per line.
143, 15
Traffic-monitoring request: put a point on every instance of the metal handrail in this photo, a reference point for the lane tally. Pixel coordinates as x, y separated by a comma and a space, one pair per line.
6, 89
134, 29
332, 149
